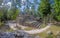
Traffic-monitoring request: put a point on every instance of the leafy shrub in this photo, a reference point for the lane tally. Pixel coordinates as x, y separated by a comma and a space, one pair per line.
1, 24
57, 18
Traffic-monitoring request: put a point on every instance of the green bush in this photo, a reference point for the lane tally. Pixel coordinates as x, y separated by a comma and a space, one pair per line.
57, 18
12, 13
1, 24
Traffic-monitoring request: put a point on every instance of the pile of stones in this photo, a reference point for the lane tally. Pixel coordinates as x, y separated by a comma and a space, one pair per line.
15, 34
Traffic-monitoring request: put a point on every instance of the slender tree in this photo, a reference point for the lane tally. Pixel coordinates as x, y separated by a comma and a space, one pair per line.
44, 9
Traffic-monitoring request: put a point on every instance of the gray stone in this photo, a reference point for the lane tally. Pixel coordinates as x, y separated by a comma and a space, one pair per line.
16, 34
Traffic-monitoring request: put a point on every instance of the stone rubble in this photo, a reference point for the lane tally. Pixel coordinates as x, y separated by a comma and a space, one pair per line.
15, 34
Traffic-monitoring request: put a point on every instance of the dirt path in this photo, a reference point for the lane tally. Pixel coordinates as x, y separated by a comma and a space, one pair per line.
31, 31
37, 30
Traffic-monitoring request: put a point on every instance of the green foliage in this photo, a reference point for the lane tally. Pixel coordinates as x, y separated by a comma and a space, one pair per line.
57, 18
1, 23
57, 10
44, 7
15, 14
8, 14
44, 10
50, 36
12, 13
3, 12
